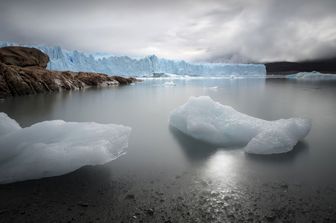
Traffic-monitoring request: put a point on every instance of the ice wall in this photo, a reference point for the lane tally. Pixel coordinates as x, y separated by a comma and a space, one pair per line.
62, 60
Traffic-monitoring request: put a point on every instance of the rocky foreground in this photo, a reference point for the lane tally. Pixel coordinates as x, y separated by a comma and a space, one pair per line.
23, 72
121, 193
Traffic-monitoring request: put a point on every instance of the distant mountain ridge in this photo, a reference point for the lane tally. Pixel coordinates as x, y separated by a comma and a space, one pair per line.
66, 60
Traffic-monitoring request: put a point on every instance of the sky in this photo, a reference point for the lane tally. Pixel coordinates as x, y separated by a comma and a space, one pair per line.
193, 30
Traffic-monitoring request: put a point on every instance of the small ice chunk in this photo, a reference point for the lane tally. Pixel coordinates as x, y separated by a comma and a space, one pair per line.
168, 84
52, 148
211, 122
214, 88
312, 76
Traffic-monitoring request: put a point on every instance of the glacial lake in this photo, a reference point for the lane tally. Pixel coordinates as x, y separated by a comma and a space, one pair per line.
154, 147
166, 176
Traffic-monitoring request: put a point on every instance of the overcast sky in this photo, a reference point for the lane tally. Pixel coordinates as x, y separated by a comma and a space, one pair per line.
194, 30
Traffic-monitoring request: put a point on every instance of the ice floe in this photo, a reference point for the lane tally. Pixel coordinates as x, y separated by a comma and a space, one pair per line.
214, 88
211, 122
312, 76
52, 148
168, 84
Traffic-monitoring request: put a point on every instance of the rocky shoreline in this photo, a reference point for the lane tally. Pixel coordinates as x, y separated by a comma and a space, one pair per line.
23, 72
114, 193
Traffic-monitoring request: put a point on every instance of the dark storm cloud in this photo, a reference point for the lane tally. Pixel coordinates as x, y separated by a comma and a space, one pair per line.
213, 30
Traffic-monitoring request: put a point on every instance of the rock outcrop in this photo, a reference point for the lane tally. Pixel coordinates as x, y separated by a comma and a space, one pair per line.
23, 56
22, 72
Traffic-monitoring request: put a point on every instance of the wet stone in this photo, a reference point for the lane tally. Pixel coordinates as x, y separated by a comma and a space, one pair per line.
149, 211
130, 197
83, 204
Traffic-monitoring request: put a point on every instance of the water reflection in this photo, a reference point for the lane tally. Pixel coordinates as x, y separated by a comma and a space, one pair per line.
195, 151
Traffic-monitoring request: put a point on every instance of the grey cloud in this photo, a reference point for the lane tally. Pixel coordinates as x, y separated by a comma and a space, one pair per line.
283, 30
213, 30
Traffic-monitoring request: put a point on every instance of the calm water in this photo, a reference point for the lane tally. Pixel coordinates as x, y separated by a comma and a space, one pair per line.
155, 148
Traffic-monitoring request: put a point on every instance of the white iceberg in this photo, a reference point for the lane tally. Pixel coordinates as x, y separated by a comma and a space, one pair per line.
211, 122
7, 125
52, 148
214, 88
168, 84
312, 76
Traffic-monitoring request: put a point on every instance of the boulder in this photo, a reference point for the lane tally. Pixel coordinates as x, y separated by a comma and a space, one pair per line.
15, 81
23, 56
23, 72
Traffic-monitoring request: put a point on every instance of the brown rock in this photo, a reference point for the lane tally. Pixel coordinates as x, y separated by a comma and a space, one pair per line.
23, 56
18, 79
95, 79
15, 81
124, 80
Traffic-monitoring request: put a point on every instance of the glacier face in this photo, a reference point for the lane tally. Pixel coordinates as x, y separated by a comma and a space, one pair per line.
63, 60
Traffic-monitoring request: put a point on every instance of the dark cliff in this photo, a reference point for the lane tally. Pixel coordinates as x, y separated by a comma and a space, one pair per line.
323, 66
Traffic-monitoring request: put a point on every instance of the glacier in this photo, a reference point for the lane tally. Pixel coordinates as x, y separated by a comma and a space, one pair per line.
67, 60
52, 148
221, 125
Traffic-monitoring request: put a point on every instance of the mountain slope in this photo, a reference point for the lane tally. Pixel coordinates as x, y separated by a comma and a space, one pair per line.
324, 66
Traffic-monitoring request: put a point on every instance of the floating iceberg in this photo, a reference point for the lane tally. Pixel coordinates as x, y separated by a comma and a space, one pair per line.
7, 125
52, 148
211, 122
214, 88
312, 76
168, 84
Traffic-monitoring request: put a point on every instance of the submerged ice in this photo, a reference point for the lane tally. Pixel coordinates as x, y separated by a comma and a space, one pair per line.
52, 148
211, 122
